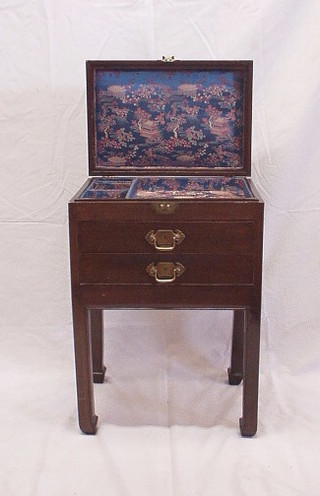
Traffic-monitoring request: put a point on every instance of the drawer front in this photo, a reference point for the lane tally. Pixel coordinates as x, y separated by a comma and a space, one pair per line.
223, 237
166, 296
192, 269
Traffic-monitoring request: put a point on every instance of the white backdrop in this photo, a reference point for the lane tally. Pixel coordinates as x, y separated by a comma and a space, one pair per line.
168, 420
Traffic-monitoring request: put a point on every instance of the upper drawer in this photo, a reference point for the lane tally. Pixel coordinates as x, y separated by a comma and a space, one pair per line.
197, 237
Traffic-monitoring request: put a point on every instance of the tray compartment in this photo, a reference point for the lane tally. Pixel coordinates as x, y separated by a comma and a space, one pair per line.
104, 188
167, 187
190, 188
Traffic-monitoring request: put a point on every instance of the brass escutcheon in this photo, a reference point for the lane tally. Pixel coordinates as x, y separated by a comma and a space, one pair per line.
165, 239
165, 207
165, 272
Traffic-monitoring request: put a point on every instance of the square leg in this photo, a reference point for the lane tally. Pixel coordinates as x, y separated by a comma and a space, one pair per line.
246, 344
235, 371
83, 360
248, 422
96, 328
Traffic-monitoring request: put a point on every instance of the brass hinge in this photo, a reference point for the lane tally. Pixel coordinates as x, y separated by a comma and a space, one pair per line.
170, 58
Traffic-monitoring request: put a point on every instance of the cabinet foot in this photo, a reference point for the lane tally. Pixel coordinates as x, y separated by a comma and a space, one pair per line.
98, 376
234, 378
246, 429
89, 427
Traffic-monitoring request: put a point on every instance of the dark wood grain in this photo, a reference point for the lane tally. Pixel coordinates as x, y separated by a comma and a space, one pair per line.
96, 329
165, 297
200, 237
249, 420
223, 270
82, 344
145, 210
235, 371
199, 269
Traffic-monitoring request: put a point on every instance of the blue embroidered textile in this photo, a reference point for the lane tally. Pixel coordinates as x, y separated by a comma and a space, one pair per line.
178, 119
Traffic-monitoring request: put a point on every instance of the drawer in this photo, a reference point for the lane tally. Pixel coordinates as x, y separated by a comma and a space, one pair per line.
223, 237
192, 269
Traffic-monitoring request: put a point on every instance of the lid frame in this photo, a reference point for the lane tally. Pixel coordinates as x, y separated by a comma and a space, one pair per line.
244, 66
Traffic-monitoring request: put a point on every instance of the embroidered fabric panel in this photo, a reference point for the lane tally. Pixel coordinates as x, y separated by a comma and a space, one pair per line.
168, 187
169, 119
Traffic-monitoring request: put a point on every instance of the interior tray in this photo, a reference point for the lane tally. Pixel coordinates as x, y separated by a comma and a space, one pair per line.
168, 188
103, 188
189, 187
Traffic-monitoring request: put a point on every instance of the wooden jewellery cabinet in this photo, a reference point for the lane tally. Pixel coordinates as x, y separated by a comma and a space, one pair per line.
169, 217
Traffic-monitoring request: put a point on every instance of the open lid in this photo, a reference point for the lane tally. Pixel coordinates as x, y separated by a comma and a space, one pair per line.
179, 118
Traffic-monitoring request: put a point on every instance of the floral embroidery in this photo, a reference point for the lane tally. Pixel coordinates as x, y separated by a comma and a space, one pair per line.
169, 119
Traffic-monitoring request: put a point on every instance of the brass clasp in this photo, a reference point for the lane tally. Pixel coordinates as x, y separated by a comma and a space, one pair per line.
165, 239
169, 58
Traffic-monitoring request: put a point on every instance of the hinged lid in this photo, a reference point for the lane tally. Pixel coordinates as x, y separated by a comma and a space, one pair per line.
182, 118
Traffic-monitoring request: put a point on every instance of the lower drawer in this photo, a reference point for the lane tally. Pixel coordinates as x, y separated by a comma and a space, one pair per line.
193, 269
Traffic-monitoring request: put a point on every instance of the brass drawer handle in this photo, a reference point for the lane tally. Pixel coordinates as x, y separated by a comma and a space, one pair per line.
165, 239
165, 272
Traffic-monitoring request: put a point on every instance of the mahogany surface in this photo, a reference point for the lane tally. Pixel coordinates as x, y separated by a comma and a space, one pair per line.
222, 256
